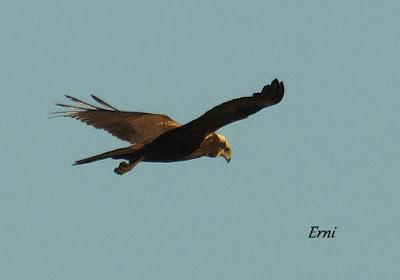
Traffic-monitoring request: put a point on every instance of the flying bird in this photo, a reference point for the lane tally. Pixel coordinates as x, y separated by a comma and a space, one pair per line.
158, 138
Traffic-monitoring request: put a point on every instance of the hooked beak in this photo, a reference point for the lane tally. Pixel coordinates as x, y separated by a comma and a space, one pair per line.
227, 157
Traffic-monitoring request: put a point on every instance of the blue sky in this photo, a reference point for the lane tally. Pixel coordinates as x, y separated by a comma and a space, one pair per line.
327, 155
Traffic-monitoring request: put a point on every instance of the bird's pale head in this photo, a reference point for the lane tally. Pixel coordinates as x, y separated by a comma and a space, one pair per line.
224, 149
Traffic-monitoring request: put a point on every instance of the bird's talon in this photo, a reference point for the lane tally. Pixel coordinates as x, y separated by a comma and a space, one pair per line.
118, 171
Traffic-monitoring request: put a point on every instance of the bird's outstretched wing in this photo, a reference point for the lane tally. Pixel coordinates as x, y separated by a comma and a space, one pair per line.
134, 127
237, 109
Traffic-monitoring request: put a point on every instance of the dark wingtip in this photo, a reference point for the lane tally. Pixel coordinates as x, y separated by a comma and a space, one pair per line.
277, 91
102, 102
274, 91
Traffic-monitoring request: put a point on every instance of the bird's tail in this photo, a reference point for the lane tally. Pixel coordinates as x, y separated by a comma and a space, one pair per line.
122, 153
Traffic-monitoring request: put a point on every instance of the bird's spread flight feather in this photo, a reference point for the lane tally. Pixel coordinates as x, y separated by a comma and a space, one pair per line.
134, 127
236, 109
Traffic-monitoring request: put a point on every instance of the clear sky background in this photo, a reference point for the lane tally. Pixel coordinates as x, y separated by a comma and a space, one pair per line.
327, 155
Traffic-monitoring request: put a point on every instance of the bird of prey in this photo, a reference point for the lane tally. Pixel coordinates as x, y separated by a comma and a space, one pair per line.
158, 138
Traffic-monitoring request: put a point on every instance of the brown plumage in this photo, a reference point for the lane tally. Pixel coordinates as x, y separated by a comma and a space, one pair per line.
158, 138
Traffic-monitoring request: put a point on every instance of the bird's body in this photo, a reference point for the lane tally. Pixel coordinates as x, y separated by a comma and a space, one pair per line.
170, 147
158, 138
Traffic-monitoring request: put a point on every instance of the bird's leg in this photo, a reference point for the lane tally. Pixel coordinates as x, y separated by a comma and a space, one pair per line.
126, 167
123, 168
